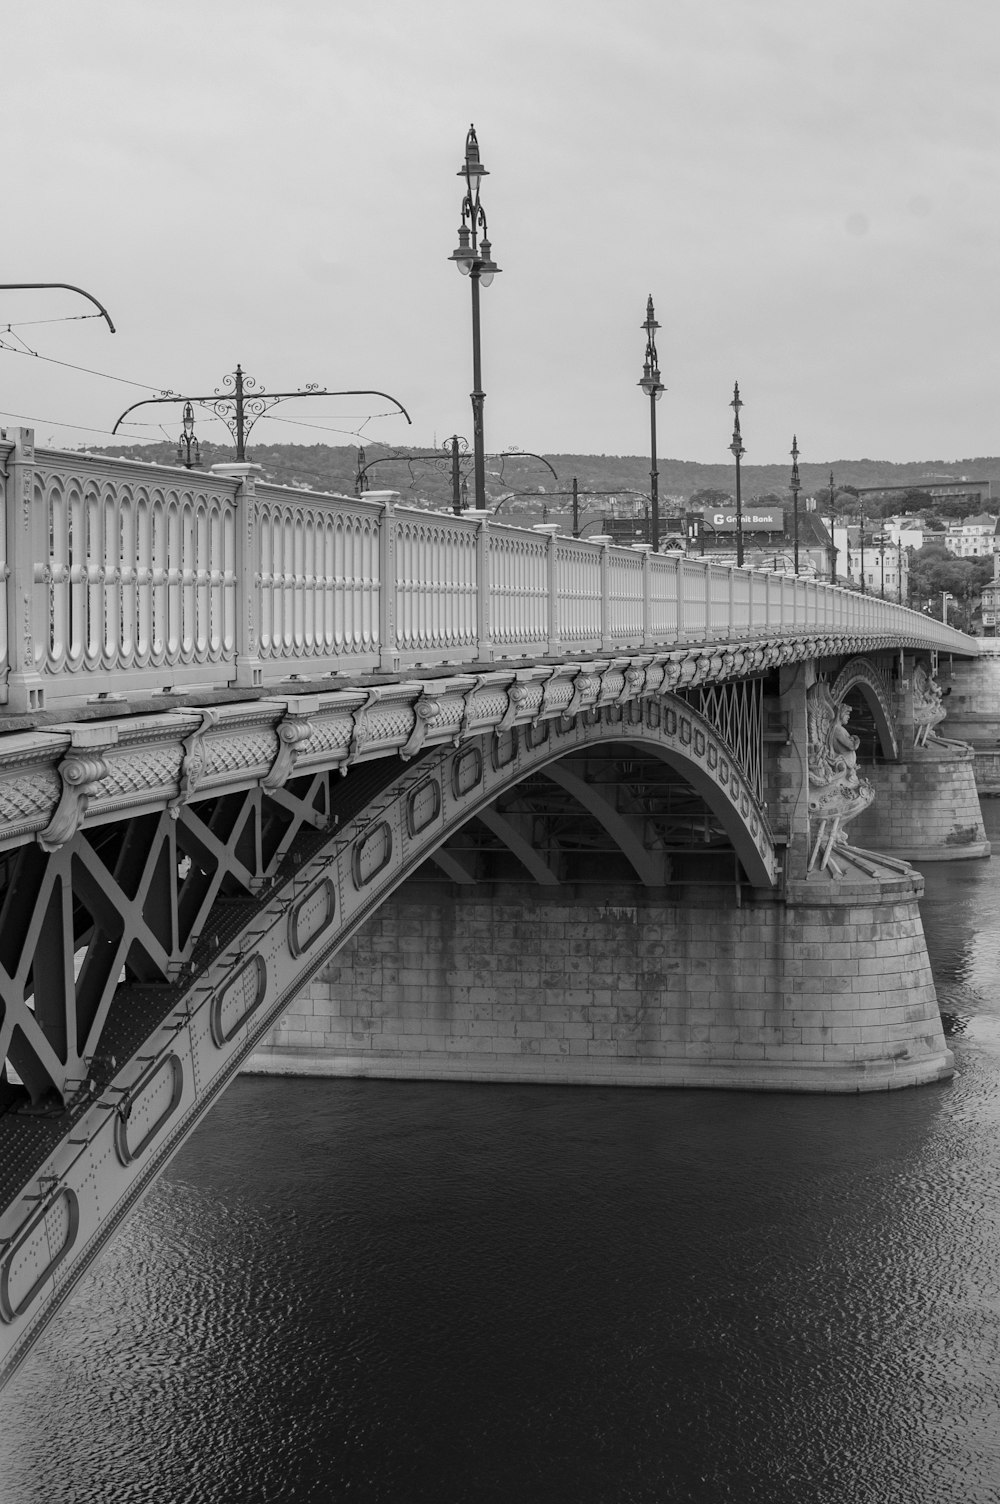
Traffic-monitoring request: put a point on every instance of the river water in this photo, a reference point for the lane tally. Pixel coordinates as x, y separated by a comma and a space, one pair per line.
399, 1292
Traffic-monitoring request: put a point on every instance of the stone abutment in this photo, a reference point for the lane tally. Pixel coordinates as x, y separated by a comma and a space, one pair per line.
826, 989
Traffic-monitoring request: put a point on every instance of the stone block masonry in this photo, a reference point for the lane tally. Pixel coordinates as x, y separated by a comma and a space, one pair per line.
974, 710
926, 808
827, 990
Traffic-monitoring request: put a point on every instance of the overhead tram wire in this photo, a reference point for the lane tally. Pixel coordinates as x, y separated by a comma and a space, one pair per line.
146, 386
349, 433
167, 391
58, 423
69, 318
164, 391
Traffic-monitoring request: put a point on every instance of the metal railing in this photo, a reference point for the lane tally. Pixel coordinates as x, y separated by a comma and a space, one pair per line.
124, 577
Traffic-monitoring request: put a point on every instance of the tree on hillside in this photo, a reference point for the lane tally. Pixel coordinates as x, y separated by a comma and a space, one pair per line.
934, 571
914, 500
708, 497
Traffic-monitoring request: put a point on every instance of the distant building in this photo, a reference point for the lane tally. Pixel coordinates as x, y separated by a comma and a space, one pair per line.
885, 563
975, 494
973, 537
906, 531
989, 601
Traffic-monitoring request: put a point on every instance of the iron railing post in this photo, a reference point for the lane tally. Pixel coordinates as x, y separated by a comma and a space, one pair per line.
484, 626
387, 625
27, 546
248, 669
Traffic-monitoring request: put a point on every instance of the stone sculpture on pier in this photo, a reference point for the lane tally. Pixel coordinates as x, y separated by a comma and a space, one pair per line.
837, 792
928, 706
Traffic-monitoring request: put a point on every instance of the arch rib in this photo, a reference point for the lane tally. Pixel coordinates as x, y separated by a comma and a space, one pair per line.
513, 833
649, 867
861, 674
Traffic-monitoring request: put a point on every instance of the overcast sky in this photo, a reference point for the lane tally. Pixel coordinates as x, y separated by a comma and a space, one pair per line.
809, 191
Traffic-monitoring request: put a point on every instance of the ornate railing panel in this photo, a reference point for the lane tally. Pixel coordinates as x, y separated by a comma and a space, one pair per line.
580, 591
517, 562
134, 578
317, 579
130, 573
625, 614
664, 596
436, 587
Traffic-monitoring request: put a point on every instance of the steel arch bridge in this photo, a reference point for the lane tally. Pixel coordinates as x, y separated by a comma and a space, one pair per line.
181, 850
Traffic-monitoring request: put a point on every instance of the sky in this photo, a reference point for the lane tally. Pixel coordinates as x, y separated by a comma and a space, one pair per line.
808, 191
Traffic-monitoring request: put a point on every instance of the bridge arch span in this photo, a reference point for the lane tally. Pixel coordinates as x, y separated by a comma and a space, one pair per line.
861, 676
666, 727
201, 1024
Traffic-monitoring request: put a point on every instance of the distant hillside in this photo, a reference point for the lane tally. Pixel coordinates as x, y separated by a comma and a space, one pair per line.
323, 467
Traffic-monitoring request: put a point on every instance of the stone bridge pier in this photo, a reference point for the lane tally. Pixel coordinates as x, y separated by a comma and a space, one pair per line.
625, 912
926, 806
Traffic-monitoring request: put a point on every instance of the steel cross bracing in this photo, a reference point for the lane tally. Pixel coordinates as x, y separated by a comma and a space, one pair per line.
736, 711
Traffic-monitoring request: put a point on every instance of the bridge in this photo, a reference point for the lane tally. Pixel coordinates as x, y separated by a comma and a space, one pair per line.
314, 783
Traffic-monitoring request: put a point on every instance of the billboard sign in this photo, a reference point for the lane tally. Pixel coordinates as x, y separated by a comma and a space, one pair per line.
754, 520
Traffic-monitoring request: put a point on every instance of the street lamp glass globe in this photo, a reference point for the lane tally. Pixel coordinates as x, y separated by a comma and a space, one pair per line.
487, 266
463, 255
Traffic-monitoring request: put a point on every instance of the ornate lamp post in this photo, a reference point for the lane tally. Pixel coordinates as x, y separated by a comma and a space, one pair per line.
474, 259
188, 448
795, 488
654, 389
737, 451
861, 512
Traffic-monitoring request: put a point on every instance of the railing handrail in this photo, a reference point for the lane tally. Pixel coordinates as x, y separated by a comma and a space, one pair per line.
123, 576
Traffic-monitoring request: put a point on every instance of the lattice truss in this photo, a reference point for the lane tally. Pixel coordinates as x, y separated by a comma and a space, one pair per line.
736, 710
93, 935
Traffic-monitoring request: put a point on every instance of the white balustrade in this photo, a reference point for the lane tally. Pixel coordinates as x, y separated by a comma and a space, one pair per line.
317, 581
120, 576
133, 575
625, 626
517, 562
436, 587
579, 592
665, 596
